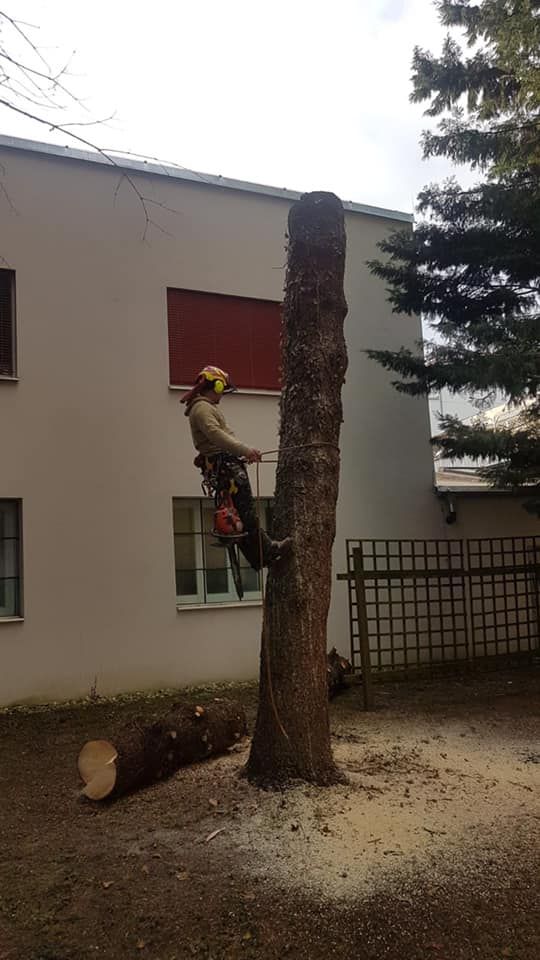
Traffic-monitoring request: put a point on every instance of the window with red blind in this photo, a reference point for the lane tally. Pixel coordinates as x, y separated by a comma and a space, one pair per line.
7, 323
239, 334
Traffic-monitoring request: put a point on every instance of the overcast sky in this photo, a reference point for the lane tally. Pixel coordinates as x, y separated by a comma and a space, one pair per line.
305, 94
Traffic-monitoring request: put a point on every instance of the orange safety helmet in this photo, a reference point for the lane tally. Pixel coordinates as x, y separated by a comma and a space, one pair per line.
219, 379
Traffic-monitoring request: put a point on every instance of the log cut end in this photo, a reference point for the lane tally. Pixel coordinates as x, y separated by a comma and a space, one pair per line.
97, 767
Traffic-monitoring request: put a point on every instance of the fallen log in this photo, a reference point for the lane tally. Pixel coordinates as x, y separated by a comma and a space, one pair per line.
141, 755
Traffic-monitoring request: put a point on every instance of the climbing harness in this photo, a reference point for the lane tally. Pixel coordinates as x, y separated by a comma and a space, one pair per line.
227, 527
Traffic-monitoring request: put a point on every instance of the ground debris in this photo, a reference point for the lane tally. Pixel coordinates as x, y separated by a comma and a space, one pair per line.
376, 886
213, 834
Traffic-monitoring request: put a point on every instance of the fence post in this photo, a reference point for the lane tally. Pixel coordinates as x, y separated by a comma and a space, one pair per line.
536, 587
469, 601
363, 632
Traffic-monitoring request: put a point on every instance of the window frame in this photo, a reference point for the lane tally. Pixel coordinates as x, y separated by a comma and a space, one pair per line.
203, 598
11, 610
12, 365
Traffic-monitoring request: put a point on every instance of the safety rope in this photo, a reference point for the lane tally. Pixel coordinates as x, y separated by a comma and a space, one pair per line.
264, 645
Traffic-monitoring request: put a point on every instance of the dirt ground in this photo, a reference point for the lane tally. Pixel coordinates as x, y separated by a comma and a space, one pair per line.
431, 850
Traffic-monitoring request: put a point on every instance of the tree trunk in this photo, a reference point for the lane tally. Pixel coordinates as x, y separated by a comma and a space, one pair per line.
141, 755
292, 734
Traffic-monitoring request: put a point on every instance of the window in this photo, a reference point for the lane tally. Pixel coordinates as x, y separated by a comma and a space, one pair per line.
10, 559
239, 334
7, 323
203, 575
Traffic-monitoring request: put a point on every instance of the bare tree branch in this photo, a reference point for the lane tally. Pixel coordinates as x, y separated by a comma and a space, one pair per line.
89, 123
11, 205
31, 72
18, 25
161, 163
60, 128
33, 89
7, 84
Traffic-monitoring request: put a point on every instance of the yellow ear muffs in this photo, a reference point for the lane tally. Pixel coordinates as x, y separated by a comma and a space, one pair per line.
219, 386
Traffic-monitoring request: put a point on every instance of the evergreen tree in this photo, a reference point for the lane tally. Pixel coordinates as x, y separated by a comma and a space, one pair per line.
472, 265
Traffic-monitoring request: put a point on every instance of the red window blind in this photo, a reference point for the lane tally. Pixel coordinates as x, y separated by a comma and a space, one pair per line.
7, 287
239, 334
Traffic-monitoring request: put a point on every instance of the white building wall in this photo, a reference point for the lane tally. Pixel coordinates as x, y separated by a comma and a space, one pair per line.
96, 445
492, 515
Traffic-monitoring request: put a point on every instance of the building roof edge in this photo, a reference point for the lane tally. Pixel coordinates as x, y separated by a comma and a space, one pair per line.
180, 173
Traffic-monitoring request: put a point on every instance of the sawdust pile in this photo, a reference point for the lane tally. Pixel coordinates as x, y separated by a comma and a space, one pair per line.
418, 804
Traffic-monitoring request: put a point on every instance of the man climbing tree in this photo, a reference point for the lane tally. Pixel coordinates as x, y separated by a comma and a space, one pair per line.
221, 459
292, 736
472, 266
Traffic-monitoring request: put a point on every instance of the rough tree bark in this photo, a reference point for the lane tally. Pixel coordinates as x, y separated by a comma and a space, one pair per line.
292, 734
140, 755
